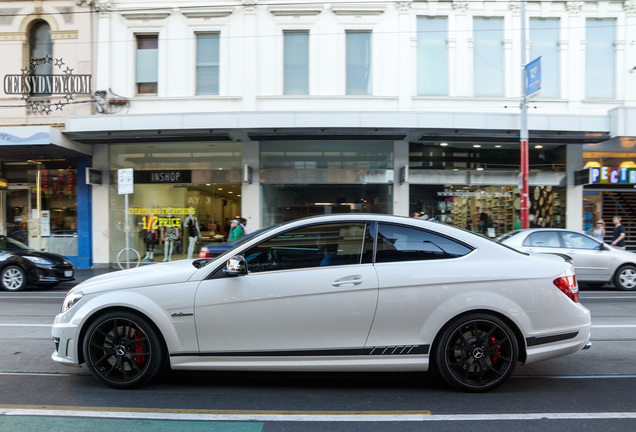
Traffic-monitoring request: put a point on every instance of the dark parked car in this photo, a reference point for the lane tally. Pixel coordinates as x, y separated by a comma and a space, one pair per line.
213, 250
21, 266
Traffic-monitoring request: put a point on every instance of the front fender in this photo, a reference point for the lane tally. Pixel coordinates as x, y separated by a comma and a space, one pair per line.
172, 313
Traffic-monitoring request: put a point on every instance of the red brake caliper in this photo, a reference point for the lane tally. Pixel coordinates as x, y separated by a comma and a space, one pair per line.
493, 342
140, 348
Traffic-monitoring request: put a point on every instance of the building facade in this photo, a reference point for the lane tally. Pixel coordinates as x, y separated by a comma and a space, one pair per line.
275, 110
46, 68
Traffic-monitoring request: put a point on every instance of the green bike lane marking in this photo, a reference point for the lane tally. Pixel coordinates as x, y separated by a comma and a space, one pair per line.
64, 424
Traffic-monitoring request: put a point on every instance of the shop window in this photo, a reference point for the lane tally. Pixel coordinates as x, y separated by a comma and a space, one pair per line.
399, 243
544, 43
327, 155
40, 50
296, 62
285, 202
599, 58
207, 64
488, 57
358, 46
147, 64
432, 56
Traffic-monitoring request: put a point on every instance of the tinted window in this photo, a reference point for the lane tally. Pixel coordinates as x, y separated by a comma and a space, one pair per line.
400, 243
313, 246
543, 239
578, 241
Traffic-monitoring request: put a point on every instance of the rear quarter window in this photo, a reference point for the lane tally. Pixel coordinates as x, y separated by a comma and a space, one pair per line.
401, 243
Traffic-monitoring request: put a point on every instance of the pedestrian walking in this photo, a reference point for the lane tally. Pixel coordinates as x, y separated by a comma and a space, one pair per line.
618, 236
599, 231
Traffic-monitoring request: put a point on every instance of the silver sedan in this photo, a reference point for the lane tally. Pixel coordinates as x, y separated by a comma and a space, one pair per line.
595, 262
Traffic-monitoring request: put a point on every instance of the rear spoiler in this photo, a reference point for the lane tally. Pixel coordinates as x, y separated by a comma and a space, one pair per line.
566, 258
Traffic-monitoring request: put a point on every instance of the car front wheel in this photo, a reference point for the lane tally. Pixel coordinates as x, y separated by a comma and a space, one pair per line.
476, 352
122, 349
625, 278
13, 278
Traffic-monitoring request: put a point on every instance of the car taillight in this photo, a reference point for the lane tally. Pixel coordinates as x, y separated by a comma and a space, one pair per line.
569, 287
203, 253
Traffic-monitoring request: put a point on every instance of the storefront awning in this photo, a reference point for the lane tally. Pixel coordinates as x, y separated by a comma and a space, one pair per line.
21, 143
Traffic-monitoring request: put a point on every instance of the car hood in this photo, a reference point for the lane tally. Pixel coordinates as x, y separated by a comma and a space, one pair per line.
148, 275
54, 258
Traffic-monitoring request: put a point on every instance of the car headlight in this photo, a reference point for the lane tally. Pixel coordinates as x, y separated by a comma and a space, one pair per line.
38, 260
71, 299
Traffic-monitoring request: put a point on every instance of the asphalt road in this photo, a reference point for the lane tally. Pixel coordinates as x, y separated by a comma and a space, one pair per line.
590, 390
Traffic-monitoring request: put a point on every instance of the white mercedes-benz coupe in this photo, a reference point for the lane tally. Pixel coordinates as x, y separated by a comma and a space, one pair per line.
331, 293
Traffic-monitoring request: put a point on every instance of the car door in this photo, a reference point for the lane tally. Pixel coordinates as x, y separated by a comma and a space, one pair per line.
591, 260
307, 292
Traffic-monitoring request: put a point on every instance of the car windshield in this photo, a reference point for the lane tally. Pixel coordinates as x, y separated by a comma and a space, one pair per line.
8, 243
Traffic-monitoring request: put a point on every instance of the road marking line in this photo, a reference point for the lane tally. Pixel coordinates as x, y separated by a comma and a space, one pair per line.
613, 325
25, 325
302, 416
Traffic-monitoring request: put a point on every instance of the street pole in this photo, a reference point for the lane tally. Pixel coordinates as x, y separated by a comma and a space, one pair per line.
523, 134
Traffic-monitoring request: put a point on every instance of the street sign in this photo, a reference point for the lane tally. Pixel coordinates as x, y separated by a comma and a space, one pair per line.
125, 183
533, 76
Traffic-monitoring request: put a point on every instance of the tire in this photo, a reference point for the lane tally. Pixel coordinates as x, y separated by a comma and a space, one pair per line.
13, 278
625, 278
123, 350
476, 352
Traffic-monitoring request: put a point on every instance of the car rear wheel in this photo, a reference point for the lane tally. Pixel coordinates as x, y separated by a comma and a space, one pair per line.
625, 278
13, 278
122, 349
476, 352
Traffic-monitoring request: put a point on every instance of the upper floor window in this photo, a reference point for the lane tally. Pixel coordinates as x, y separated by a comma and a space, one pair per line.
207, 63
40, 48
544, 43
488, 57
358, 62
599, 58
432, 56
296, 62
147, 64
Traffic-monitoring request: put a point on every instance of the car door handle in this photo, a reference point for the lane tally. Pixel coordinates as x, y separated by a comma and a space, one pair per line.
347, 281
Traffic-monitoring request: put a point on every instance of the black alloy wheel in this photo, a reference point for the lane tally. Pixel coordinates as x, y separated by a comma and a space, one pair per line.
122, 349
13, 278
477, 353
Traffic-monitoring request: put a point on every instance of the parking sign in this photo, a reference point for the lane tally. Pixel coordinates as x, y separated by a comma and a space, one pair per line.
125, 183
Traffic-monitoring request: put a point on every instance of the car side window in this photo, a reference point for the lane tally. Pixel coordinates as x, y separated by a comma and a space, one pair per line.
543, 239
312, 246
578, 241
401, 243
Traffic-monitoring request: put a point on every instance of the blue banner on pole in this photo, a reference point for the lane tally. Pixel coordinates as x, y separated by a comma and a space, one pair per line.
533, 76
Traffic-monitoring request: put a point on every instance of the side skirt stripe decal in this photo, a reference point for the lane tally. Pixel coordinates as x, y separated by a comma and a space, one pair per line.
375, 351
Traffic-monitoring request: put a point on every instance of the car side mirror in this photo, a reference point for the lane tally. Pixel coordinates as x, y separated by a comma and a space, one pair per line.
236, 266
604, 247
200, 262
